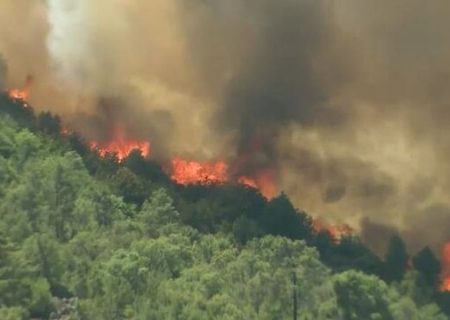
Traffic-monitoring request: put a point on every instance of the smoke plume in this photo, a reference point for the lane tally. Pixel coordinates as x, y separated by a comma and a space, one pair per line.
347, 102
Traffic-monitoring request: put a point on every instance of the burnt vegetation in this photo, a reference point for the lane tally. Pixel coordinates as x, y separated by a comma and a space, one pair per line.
90, 237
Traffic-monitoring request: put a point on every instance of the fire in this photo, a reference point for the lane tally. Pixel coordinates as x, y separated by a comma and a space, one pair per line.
217, 172
248, 182
193, 172
445, 268
264, 182
24, 93
121, 148
336, 232
186, 172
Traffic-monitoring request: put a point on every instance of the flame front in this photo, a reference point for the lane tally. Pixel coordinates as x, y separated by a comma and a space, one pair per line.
187, 172
121, 148
445, 268
193, 172
120, 145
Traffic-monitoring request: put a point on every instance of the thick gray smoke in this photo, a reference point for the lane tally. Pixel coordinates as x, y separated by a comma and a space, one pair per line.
346, 101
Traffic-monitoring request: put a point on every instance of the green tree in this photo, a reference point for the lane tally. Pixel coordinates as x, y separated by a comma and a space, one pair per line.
426, 263
158, 212
281, 218
130, 186
245, 229
49, 123
362, 297
396, 260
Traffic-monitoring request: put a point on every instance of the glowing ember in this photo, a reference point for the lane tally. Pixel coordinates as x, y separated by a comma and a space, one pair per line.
336, 232
66, 131
445, 268
24, 93
193, 172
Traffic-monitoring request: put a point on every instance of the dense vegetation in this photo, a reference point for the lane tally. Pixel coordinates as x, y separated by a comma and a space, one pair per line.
83, 237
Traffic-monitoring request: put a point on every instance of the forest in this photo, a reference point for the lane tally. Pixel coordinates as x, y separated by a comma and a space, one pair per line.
90, 237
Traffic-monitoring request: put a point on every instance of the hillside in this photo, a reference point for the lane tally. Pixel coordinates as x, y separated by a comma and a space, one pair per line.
90, 237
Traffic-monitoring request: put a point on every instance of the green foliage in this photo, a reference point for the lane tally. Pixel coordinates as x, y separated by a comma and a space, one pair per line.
158, 211
428, 265
49, 124
280, 217
13, 313
130, 187
82, 237
396, 259
147, 169
362, 297
245, 229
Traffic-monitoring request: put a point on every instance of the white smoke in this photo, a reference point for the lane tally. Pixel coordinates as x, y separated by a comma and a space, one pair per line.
84, 42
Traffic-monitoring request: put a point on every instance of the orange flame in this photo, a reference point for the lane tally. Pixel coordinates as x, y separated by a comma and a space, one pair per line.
264, 182
445, 268
24, 93
248, 182
193, 172
336, 232
121, 146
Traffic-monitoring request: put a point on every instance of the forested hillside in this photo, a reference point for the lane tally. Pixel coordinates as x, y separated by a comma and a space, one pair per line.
87, 237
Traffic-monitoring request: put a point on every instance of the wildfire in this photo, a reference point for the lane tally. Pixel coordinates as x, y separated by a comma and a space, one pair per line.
248, 182
217, 172
264, 182
445, 268
336, 232
120, 145
24, 93
187, 172
121, 148
193, 172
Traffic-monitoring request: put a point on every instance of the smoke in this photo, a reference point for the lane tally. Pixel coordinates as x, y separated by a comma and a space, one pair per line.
347, 102
3, 72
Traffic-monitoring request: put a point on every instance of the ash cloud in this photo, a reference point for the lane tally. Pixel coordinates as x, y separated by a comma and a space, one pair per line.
347, 102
